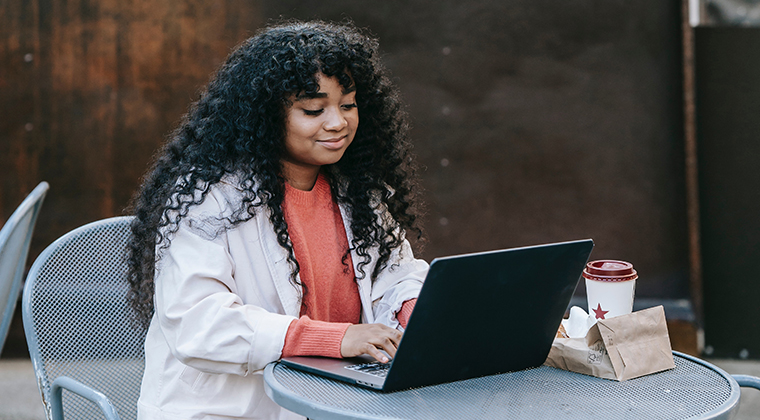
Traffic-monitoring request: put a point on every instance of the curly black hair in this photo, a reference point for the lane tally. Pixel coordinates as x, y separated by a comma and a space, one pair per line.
237, 127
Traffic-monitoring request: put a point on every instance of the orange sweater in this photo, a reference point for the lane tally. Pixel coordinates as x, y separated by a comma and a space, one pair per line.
331, 302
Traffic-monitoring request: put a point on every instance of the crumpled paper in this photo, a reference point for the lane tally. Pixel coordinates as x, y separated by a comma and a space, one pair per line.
578, 323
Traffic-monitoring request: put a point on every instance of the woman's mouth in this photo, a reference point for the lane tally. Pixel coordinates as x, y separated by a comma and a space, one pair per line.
333, 144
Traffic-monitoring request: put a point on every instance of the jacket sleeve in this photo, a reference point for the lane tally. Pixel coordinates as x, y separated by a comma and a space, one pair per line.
400, 281
205, 323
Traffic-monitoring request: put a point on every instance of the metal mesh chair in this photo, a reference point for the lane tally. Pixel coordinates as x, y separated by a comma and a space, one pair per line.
15, 237
77, 323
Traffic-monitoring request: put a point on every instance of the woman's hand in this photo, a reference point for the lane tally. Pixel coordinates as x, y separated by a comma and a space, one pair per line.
370, 339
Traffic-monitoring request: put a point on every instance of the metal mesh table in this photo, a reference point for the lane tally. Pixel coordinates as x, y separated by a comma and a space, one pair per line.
695, 389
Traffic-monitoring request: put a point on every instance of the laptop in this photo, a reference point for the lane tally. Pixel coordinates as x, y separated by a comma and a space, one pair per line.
477, 314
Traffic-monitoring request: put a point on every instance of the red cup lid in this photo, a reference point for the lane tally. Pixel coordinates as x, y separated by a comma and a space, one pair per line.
610, 270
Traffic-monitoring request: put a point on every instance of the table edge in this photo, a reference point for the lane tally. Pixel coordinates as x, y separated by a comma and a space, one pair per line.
732, 404
279, 394
287, 399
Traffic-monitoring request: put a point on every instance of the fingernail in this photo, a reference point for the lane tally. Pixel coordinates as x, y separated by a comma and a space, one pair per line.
385, 360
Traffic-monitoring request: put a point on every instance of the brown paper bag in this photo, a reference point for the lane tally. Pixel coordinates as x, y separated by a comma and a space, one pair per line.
619, 348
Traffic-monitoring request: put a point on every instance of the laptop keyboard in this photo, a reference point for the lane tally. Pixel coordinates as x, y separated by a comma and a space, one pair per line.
375, 368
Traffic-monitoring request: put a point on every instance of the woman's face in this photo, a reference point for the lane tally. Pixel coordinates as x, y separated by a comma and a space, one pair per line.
318, 129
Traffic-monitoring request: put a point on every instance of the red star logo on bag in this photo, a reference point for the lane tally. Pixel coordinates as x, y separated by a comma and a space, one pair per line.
599, 312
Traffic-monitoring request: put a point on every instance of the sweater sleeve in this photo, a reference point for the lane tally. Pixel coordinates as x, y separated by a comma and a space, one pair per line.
406, 311
307, 337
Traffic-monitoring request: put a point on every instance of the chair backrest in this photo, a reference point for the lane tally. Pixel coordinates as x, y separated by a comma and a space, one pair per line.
77, 319
15, 237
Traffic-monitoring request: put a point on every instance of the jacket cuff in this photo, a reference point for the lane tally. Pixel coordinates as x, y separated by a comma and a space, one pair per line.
267, 343
386, 308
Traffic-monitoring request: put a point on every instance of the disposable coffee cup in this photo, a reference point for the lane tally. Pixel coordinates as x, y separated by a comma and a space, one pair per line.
610, 286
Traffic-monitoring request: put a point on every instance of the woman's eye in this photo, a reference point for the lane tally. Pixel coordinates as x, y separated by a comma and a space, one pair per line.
312, 112
349, 106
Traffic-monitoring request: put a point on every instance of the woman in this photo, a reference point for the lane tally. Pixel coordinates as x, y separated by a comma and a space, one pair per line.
273, 224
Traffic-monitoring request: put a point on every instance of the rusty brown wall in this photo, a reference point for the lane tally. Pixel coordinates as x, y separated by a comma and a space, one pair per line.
90, 88
535, 120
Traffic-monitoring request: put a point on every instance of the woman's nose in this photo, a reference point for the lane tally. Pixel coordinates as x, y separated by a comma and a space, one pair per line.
335, 120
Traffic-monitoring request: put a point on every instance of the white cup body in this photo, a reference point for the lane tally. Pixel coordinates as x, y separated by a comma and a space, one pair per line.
608, 299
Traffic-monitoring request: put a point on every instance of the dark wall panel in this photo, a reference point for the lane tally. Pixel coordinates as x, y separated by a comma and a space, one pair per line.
728, 127
542, 121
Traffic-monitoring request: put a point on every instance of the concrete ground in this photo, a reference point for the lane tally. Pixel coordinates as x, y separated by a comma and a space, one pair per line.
19, 398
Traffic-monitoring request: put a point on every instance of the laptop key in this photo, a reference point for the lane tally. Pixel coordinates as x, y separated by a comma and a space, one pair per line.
376, 368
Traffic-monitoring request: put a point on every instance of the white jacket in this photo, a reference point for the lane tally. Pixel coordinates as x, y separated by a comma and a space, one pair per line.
224, 301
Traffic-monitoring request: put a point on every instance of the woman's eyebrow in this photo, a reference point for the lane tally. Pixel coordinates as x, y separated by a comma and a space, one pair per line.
310, 95
315, 95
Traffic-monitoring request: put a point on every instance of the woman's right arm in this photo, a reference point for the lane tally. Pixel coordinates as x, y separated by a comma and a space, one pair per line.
205, 322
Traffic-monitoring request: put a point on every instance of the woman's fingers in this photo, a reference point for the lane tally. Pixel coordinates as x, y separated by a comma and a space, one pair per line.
388, 344
377, 354
370, 339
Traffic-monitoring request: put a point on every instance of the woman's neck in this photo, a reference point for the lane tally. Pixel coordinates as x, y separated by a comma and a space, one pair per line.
300, 177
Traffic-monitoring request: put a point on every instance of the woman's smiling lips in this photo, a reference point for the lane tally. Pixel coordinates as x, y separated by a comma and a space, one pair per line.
333, 144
